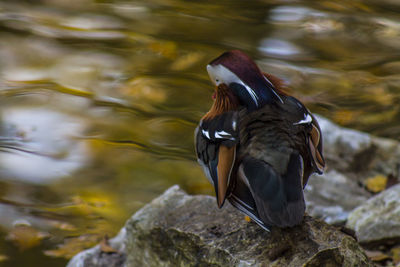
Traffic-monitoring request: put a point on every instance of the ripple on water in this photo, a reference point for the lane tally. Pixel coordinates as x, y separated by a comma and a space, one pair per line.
40, 145
281, 49
291, 14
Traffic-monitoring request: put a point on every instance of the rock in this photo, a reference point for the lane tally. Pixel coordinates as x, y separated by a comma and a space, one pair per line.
352, 157
378, 219
177, 229
332, 196
181, 230
356, 153
95, 257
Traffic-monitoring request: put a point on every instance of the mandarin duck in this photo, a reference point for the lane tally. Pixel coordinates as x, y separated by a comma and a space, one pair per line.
257, 144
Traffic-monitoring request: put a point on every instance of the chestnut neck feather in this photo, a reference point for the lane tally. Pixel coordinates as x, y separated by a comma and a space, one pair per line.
225, 101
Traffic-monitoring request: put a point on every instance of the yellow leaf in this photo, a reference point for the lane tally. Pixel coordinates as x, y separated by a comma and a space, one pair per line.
105, 246
376, 255
377, 183
247, 218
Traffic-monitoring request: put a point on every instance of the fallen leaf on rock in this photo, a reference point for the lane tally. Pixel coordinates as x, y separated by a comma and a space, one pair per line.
376, 184
376, 255
105, 246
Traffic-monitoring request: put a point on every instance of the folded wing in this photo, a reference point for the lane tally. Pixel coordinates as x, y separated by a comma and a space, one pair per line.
216, 141
278, 199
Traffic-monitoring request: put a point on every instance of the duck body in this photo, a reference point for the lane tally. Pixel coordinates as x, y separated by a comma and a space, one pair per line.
259, 156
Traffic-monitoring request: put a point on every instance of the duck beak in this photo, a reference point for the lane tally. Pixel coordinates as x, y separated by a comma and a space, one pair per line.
211, 74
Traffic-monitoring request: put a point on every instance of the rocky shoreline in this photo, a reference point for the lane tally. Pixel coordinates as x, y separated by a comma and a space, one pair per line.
181, 230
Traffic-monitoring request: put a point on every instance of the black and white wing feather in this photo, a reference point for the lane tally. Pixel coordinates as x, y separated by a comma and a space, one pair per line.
216, 141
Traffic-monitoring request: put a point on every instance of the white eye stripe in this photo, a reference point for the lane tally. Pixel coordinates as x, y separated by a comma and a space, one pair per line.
250, 91
221, 74
280, 99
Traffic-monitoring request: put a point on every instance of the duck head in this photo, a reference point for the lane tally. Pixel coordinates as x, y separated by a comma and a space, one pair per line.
236, 72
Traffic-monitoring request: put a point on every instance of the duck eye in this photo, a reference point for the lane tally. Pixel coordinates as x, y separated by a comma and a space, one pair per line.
216, 80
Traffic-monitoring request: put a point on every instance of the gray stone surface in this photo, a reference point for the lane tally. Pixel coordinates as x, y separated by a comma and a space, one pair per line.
332, 196
352, 156
378, 219
96, 257
181, 230
358, 154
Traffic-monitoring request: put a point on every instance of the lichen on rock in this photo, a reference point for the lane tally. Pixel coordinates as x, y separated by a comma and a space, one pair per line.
176, 229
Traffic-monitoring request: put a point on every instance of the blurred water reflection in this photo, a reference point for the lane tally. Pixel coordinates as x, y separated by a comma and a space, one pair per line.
99, 99
40, 145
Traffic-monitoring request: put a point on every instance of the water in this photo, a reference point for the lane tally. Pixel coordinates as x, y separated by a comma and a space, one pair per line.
99, 100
